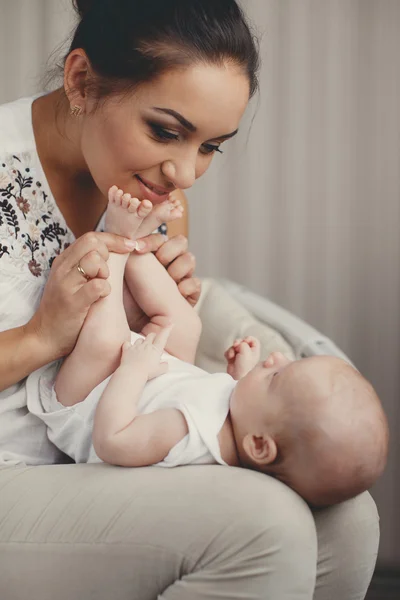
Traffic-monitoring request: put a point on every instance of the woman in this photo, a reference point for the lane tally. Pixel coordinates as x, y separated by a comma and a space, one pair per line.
151, 91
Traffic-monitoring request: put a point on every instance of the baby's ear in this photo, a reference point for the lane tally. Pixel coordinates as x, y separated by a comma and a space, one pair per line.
261, 449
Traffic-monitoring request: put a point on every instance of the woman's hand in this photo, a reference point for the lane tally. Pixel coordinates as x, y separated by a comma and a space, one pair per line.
69, 294
180, 264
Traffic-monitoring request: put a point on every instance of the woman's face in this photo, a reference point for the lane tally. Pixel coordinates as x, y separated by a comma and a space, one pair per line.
165, 133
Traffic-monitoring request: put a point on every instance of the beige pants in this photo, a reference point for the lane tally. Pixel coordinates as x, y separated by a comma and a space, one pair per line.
97, 532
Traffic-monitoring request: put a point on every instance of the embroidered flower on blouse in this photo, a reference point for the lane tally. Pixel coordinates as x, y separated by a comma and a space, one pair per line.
23, 205
32, 232
4, 180
35, 268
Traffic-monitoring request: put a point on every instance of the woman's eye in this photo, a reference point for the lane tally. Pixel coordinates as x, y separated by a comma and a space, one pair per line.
210, 148
163, 134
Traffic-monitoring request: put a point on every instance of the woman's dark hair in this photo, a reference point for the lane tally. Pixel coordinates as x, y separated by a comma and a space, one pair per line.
129, 42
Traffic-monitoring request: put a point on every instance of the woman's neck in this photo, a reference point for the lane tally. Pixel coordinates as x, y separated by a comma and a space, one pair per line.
57, 137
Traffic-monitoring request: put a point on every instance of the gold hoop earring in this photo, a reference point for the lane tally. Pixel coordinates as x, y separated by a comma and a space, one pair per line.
76, 110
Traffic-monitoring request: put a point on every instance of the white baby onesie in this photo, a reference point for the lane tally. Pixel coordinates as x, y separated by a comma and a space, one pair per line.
203, 398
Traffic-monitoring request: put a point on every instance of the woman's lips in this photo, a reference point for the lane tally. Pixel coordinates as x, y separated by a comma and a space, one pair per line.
153, 193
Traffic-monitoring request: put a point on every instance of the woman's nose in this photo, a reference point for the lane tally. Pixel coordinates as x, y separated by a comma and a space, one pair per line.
182, 173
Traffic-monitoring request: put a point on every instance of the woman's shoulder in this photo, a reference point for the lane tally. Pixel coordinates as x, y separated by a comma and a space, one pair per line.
16, 133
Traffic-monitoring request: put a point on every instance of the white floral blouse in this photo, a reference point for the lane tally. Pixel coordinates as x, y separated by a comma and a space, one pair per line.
32, 233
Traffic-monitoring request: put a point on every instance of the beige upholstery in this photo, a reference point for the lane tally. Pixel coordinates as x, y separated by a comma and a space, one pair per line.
225, 319
229, 310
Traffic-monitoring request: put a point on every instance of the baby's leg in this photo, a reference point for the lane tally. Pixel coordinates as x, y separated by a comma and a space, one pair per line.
98, 349
157, 294
162, 213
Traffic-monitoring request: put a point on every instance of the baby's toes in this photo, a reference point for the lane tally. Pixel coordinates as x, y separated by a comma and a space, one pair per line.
125, 201
144, 208
175, 203
118, 197
176, 213
159, 214
133, 205
111, 194
171, 211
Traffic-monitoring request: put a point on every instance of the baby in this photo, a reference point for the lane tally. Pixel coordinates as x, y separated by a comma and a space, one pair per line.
316, 424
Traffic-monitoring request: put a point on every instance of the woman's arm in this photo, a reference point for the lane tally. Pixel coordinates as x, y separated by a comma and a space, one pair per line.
21, 353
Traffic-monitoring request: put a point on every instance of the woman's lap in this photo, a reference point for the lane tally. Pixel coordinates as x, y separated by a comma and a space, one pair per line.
348, 540
81, 531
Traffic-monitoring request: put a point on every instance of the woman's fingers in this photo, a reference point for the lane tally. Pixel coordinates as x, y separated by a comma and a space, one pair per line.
151, 243
190, 290
171, 249
165, 250
182, 267
179, 263
91, 292
102, 243
94, 266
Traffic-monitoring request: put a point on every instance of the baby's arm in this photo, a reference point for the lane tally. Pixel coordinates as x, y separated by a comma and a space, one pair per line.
242, 356
120, 435
158, 296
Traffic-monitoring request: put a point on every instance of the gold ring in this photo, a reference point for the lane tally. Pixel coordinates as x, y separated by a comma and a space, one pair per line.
82, 271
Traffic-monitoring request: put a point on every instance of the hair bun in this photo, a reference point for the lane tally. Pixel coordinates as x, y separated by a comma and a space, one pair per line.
82, 7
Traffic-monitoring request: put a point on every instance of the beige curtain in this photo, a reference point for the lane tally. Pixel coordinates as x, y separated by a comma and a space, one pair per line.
304, 206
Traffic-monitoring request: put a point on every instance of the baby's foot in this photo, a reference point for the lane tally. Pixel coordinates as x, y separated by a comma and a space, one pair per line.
167, 211
125, 214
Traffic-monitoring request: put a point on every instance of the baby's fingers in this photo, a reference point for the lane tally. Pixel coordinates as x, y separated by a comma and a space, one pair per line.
254, 343
161, 339
161, 369
230, 353
150, 338
244, 349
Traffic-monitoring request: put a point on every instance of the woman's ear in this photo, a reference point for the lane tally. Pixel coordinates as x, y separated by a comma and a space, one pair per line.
76, 73
260, 449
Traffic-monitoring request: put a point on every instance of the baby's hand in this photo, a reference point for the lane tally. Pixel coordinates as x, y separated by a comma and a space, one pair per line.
242, 356
145, 354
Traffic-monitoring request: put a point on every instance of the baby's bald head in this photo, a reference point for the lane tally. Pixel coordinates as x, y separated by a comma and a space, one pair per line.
334, 438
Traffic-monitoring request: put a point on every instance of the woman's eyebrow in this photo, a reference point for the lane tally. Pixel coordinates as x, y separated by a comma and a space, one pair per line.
188, 125
184, 122
226, 136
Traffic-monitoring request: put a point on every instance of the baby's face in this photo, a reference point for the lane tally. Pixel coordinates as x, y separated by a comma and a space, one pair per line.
269, 387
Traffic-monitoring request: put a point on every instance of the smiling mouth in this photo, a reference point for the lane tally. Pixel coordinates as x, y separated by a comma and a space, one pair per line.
158, 191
